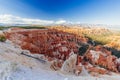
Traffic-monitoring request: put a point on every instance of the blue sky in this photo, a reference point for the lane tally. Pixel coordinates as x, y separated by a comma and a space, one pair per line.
84, 11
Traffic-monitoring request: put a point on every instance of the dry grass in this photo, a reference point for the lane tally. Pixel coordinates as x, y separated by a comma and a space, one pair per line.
100, 35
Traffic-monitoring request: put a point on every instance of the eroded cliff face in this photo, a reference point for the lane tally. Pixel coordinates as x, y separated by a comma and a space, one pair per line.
52, 43
62, 50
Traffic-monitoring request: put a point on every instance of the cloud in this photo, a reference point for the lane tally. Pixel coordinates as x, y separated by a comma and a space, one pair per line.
10, 19
61, 22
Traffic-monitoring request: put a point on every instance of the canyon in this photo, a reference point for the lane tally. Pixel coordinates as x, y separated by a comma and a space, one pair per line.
57, 52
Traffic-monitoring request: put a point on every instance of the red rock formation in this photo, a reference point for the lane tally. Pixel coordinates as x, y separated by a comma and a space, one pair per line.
52, 43
102, 59
97, 70
60, 45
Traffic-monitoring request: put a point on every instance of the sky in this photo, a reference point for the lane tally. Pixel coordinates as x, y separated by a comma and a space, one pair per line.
60, 11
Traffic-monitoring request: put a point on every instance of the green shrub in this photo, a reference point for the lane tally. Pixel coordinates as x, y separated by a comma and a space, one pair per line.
2, 38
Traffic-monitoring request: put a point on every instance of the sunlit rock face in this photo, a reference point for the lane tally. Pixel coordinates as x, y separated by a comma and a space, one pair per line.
65, 50
7, 68
52, 43
103, 58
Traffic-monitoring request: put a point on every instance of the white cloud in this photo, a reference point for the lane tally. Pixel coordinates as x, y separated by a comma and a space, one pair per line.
10, 19
61, 22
